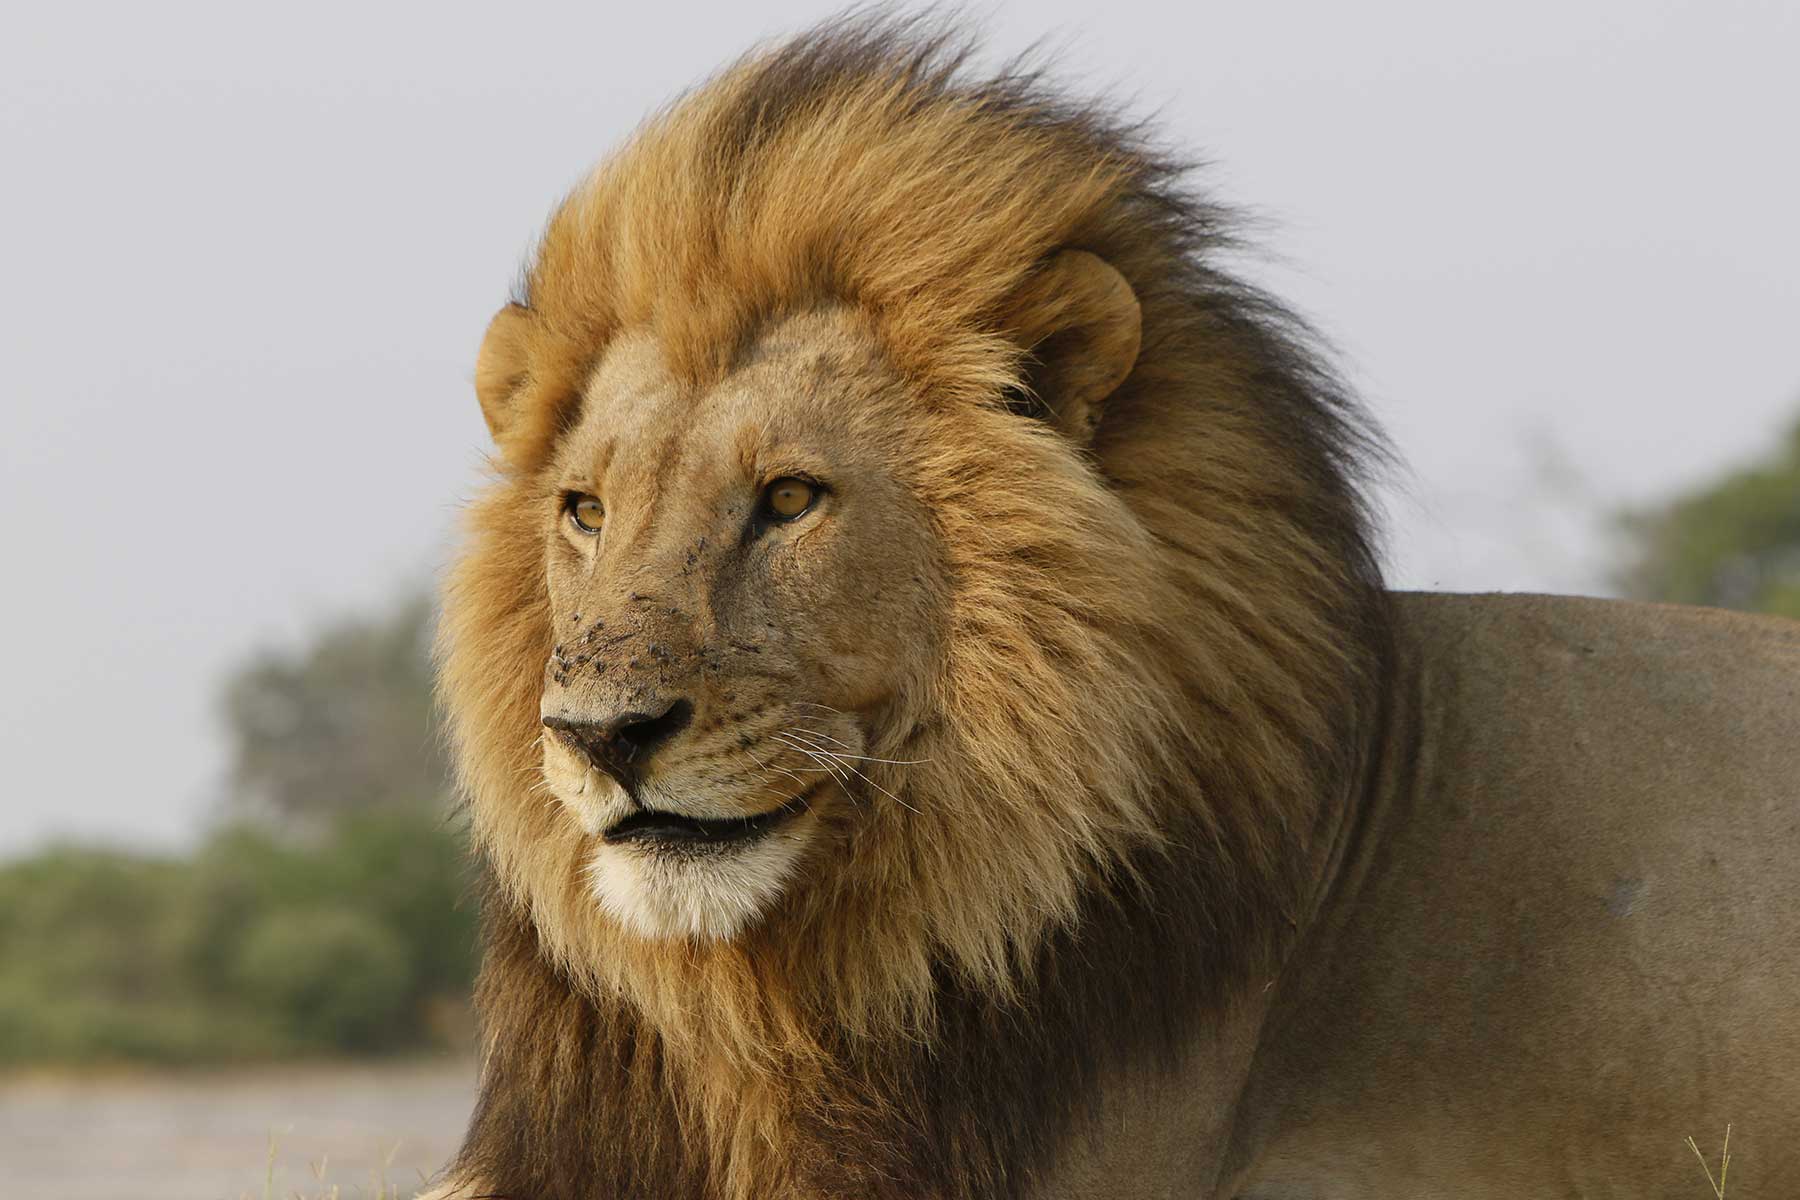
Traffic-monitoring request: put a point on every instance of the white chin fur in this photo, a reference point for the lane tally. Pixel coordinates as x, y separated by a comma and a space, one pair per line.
713, 895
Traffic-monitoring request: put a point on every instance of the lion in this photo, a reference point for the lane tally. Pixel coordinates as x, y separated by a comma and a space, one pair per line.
935, 726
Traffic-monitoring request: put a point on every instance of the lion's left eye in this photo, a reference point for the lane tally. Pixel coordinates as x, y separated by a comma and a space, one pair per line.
789, 497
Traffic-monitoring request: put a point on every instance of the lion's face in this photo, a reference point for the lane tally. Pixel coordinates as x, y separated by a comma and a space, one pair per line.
741, 585
804, 642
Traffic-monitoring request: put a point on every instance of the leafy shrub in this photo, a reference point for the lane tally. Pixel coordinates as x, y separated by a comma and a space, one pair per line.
329, 917
1734, 542
251, 948
333, 977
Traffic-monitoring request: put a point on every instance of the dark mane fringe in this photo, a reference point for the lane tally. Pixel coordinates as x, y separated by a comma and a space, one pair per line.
579, 1098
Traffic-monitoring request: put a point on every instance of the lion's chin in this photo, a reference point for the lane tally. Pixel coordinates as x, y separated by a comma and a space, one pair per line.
659, 892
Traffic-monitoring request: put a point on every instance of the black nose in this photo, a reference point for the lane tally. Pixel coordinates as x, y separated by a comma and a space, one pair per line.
620, 745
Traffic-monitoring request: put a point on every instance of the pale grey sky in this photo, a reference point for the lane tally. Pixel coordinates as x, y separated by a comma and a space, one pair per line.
247, 252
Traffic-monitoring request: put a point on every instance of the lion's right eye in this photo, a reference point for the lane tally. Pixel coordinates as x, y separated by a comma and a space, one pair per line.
585, 511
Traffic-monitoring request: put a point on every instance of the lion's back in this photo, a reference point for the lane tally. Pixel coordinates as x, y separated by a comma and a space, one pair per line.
1675, 660
1569, 932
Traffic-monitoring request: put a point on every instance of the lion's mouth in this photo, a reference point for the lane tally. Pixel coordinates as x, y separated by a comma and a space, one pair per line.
652, 827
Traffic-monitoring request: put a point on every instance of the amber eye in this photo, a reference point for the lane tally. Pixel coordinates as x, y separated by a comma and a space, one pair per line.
789, 497
585, 511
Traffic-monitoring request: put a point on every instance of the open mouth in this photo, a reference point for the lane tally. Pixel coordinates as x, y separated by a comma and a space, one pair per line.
670, 829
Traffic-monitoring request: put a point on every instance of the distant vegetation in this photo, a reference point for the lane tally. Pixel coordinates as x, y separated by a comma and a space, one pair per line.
329, 911
1734, 543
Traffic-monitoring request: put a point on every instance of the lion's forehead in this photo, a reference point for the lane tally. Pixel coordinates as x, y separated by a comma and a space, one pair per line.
794, 388
632, 398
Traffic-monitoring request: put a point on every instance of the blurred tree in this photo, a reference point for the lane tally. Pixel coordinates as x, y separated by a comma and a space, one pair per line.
256, 946
344, 726
92, 953
1734, 543
357, 935
336, 977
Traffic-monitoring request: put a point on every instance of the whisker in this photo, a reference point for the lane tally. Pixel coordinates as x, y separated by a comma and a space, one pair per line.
822, 757
840, 772
791, 775
893, 762
840, 760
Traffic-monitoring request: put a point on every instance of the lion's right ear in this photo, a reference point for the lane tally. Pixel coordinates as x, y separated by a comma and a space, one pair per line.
501, 368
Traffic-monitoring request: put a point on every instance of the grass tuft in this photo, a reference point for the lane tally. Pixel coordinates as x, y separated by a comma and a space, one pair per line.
381, 1188
1718, 1185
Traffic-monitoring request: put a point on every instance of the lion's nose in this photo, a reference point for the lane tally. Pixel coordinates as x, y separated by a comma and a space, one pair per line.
621, 744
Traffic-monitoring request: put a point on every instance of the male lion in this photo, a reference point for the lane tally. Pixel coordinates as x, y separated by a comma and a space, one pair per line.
931, 712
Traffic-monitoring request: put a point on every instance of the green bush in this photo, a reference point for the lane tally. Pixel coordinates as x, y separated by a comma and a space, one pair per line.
1734, 542
251, 948
331, 976
330, 917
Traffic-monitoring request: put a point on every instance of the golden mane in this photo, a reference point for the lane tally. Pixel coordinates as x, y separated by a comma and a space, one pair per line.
1157, 676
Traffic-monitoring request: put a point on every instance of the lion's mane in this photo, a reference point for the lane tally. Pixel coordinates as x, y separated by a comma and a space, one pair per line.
1159, 663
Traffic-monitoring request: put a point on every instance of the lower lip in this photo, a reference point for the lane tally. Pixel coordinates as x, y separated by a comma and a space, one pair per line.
665, 830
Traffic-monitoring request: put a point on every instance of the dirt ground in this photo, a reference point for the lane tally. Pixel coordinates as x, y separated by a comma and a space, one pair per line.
205, 1136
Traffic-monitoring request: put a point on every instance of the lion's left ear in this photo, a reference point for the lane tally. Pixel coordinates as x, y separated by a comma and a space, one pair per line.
1079, 320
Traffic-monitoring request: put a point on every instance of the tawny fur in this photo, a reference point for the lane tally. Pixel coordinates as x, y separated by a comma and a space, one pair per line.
1154, 661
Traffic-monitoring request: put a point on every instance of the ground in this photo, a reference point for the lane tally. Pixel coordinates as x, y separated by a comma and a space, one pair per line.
205, 1135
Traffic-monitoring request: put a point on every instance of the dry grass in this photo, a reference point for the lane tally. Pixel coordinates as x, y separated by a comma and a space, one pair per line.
1718, 1184
379, 1187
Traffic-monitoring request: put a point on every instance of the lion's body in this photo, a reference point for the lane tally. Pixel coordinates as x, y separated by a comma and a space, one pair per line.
1571, 936
1565, 934
1048, 801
